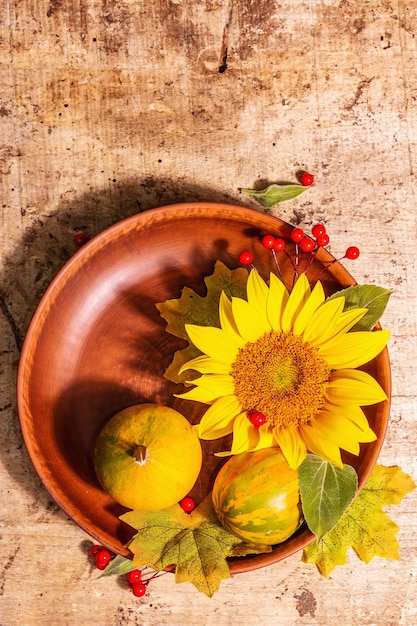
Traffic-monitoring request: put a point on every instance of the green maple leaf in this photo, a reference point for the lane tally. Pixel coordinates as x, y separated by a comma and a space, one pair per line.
364, 526
196, 544
192, 308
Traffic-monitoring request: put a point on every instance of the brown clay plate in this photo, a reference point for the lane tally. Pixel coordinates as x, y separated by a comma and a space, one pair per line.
97, 344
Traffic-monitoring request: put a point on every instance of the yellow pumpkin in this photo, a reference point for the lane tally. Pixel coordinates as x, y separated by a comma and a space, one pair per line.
147, 457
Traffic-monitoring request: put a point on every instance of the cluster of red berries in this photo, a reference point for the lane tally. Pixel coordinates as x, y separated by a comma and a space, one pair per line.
102, 558
302, 242
137, 583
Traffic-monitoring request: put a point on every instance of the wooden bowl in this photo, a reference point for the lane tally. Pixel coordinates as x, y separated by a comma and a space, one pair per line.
97, 344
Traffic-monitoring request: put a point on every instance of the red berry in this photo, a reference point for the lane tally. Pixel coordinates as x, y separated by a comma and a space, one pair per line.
352, 252
80, 239
306, 179
187, 504
318, 230
102, 559
94, 549
279, 244
138, 589
323, 240
134, 576
268, 241
297, 235
245, 258
307, 244
257, 418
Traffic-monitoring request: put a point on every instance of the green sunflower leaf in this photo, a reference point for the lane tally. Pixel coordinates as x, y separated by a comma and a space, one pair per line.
326, 491
370, 297
275, 193
192, 308
364, 526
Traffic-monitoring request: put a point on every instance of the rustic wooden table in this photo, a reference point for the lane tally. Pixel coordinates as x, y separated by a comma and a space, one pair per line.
108, 108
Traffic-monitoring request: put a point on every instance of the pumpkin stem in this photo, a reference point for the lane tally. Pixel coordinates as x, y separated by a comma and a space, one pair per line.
141, 455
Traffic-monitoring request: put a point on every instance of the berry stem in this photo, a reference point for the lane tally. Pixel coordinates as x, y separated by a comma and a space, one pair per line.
323, 269
274, 254
310, 260
146, 581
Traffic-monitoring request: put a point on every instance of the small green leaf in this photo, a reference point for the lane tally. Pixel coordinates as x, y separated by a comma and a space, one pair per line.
118, 565
370, 297
326, 491
275, 193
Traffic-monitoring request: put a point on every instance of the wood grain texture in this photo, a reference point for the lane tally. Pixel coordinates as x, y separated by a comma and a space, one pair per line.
108, 109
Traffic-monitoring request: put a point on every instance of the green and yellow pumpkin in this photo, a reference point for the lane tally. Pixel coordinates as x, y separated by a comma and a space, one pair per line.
256, 497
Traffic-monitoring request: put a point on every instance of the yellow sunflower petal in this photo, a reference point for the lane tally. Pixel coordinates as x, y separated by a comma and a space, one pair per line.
245, 434
266, 437
205, 365
197, 394
348, 386
209, 387
327, 431
322, 448
324, 318
227, 321
223, 454
291, 444
351, 412
341, 325
298, 297
218, 420
341, 431
277, 300
218, 384
353, 349
258, 291
248, 320
213, 341
315, 300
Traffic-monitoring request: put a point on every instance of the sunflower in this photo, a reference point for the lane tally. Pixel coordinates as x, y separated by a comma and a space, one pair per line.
289, 358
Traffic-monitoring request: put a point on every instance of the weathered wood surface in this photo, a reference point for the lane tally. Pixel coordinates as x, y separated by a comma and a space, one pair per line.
107, 108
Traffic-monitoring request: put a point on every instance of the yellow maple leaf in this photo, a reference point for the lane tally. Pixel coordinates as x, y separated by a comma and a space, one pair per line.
196, 544
364, 526
192, 308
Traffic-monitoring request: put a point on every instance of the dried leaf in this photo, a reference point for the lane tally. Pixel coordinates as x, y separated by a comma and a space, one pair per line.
326, 491
364, 526
370, 297
243, 549
195, 543
191, 308
275, 193
180, 358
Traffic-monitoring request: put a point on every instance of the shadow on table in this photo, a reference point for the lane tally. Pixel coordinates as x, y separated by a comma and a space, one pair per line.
47, 244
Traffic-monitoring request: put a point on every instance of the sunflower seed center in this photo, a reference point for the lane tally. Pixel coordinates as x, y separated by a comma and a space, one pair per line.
282, 376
